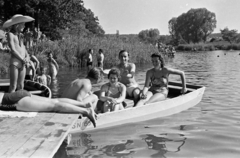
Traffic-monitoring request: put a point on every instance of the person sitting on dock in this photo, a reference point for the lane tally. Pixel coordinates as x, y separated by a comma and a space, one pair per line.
23, 100
113, 93
127, 76
156, 83
80, 89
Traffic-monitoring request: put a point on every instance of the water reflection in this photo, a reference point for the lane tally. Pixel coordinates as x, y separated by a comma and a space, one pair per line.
160, 143
82, 145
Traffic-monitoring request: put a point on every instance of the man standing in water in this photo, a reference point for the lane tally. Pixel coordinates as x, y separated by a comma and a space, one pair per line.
127, 76
53, 66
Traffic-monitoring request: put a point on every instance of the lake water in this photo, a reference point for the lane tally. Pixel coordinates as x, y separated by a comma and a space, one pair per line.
210, 129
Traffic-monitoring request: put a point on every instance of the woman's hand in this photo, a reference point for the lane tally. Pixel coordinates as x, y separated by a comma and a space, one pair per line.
143, 96
112, 100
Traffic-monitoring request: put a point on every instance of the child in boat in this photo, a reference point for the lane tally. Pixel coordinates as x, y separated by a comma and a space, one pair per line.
53, 66
80, 89
156, 83
18, 51
30, 71
127, 76
113, 93
23, 101
43, 78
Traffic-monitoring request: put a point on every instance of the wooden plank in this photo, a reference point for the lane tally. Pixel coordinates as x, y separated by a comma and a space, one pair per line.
40, 136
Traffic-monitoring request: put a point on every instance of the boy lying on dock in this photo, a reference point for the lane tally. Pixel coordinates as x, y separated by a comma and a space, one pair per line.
23, 101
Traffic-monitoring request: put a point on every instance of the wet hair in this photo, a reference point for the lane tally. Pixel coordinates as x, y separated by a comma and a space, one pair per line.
100, 50
122, 51
90, 50
114, 71
94, 73
160, 58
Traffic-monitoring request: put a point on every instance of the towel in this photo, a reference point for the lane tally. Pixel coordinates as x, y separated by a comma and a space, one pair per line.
17, 114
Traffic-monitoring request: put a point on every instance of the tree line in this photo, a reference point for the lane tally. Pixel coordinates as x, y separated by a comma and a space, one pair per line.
55, 18
192, 27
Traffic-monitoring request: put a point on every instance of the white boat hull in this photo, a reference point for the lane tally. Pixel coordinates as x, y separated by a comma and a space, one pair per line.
142, 113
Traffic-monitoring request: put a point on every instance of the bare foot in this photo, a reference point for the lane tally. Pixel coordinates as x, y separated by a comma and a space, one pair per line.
92, 116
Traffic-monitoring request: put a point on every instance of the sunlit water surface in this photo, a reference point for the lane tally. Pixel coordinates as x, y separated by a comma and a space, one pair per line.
210, 129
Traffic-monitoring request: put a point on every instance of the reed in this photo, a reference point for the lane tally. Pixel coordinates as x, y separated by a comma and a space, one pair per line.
70, 51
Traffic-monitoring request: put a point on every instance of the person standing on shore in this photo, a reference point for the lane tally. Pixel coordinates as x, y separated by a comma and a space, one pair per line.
89, 58
19, 55
100, 58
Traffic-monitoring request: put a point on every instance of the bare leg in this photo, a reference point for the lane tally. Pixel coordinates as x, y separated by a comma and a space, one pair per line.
156, 97
30, 104
13, 78
63, 100
117, 107
136, 96
21, 77
91, 99
107, 106
143, 101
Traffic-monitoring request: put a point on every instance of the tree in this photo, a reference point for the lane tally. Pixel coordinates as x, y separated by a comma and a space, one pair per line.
229, 35
54, 16
150, 36
194, 26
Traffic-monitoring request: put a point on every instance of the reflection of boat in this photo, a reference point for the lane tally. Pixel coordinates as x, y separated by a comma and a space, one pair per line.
174, 104
31, 86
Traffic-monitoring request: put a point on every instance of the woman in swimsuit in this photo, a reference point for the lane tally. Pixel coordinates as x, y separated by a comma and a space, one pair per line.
18, 51
156, 83
23, 101
127, 70
113, 93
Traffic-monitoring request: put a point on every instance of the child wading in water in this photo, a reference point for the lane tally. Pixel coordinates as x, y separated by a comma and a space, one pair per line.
18, 51
43, 78
53, 66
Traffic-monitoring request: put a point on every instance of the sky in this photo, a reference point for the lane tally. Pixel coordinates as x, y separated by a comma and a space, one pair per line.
133, 16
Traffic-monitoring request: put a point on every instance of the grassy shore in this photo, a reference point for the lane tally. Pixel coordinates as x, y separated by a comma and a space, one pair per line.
68, 52
209, 46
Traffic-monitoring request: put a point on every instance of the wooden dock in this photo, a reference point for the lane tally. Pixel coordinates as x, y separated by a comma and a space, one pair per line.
35, 137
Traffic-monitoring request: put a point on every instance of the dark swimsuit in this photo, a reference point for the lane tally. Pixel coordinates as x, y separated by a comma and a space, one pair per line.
159, 85
9, 100
116, 95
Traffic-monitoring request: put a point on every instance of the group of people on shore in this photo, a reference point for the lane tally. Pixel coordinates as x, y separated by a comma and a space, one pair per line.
78, 96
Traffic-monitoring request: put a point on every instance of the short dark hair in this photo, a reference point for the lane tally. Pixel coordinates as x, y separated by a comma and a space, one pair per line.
160, 58
94, 73
115, 71
122, 51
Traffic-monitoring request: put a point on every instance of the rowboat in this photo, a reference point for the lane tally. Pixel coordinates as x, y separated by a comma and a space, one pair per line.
175, 103
31, 86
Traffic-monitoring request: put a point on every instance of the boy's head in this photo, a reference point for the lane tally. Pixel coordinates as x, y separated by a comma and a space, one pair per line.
43, 70
94, 75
